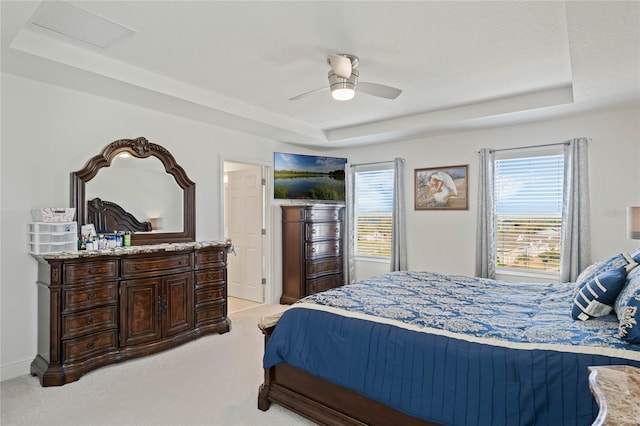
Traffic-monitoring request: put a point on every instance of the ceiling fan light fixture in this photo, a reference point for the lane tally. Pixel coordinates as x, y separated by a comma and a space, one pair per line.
343, 89
343, 94
343, 81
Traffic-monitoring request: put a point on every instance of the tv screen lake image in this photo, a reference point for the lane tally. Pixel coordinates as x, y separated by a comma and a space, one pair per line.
309, 177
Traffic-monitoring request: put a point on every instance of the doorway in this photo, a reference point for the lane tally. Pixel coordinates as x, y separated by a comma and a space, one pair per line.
245, 225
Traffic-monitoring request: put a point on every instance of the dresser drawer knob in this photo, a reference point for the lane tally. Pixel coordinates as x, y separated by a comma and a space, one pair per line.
209, 295
209, 277
313, 230
313, 249
91, 345
92, 271
137, 267
90, 319
91, 295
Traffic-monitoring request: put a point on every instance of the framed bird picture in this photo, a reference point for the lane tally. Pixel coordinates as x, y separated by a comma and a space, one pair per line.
442, 188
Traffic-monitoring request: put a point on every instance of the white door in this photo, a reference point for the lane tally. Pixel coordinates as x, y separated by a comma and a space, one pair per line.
243, 211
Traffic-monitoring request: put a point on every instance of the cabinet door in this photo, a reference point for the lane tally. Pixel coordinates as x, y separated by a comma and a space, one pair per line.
140, 311
177, 303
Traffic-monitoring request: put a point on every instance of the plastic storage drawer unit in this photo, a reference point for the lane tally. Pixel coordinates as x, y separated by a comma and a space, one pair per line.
48, 237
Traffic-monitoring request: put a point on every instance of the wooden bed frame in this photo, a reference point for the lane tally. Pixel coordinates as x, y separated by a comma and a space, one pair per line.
109, 216
321, 401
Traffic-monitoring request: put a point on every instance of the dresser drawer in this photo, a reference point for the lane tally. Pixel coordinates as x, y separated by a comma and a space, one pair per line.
323, 267
93, 344
160, 264
211, 276
210, 314
210, 294
323, 215
86, 322
90, 271
322, 231
87, 296
211, 257
322, 249
324, 283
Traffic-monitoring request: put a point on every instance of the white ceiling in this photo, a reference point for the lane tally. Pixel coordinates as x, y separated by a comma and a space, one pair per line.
461, 65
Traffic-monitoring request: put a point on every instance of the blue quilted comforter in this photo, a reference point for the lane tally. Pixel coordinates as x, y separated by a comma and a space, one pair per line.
454, 350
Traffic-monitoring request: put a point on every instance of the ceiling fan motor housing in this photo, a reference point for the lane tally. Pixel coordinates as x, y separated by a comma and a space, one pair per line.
336, 82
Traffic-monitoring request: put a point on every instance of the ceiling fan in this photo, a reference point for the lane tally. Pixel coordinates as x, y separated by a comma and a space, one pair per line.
343, 81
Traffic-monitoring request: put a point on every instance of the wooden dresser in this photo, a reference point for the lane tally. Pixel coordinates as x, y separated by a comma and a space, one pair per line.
312, 249
98, 309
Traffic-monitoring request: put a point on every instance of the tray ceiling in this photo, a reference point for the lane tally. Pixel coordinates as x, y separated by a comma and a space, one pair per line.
461, 65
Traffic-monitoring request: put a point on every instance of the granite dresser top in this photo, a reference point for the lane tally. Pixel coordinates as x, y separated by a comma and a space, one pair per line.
617, 391
123, 251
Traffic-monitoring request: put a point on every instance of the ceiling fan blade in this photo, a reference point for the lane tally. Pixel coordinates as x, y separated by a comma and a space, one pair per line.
378, 90
305, 94
341, 65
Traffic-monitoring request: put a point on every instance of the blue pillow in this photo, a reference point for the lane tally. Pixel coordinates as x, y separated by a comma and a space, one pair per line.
630, 322
629, 261
631, 287
597, 297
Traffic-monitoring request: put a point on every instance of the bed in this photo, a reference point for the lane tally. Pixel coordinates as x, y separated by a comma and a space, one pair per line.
109, 216
425, 348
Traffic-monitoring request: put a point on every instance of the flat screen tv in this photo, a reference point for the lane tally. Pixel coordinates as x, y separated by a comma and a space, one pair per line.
308, 177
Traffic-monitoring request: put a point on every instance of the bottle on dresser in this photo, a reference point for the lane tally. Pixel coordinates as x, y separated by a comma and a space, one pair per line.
89, 244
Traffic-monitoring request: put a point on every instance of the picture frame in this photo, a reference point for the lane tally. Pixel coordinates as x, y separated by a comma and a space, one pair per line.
442, 188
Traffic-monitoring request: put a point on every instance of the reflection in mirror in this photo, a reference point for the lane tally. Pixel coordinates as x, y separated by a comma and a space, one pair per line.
142, 187
161, 207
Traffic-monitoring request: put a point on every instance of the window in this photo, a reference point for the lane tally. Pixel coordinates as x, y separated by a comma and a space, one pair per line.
373, 202
528, 204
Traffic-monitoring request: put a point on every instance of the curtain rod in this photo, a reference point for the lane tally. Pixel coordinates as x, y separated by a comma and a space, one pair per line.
528, 146
372, 163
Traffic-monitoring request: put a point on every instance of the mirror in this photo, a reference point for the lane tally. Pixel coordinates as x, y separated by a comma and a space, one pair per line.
156, 197
148, 185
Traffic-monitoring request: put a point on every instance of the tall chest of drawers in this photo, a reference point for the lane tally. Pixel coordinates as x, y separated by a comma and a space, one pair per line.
312, 249
95, 310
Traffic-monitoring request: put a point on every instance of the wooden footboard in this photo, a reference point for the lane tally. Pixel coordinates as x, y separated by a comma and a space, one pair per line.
322, 401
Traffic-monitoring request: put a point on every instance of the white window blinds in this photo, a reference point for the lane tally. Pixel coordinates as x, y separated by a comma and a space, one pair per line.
373, 207
528, 195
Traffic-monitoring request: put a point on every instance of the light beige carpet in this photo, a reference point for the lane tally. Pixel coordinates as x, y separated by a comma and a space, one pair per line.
211, 381
235, 304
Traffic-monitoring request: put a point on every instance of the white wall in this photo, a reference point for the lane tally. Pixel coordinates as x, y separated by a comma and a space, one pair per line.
444, 241
49, 131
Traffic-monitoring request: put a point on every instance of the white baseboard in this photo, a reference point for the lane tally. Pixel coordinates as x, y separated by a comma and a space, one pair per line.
14, 370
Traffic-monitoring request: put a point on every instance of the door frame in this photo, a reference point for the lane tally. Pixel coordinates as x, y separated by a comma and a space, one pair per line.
267, 250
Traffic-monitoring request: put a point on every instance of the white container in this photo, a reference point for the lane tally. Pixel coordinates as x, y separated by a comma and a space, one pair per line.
49, 237
53, 214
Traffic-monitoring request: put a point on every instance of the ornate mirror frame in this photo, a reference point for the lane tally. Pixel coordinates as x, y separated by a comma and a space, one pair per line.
139, 148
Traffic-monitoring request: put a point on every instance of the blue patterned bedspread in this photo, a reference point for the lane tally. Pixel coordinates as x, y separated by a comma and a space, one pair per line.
454, 350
